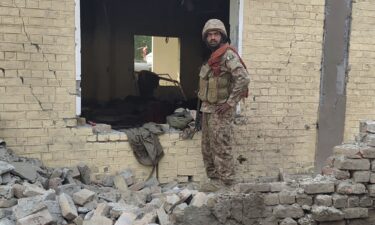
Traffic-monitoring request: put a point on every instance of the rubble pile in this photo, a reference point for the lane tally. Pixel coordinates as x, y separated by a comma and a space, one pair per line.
343, 195
31, 194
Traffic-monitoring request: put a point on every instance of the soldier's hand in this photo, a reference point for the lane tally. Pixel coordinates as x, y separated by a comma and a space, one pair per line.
223, 108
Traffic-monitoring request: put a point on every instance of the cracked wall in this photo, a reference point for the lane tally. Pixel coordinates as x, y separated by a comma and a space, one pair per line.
282, 46
361, 76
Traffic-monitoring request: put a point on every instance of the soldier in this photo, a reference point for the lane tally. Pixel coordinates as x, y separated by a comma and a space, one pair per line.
223, 82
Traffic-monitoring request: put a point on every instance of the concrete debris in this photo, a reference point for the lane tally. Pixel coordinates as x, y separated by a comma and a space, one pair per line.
68, 209
25, 171
33, 194
83, 196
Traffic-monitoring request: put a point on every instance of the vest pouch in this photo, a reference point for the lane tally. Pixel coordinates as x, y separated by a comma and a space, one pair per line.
212, 90
203, 89
203, 82
205, 70
223, 86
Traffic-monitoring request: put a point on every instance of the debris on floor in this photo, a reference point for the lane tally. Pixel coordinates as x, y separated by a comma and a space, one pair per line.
33, 194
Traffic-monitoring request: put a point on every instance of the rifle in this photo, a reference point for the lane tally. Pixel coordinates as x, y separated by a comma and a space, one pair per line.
198, 117
189, 132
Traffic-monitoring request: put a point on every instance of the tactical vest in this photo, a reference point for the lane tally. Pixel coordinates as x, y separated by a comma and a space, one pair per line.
214, 89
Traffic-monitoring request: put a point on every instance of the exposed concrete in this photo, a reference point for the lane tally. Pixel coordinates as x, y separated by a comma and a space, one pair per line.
333, 79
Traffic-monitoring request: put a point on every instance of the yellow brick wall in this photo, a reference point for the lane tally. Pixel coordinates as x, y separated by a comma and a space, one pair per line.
361, 78
282, 42
282, 48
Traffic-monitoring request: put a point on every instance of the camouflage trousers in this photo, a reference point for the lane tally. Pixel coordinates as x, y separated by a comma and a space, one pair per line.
217, 134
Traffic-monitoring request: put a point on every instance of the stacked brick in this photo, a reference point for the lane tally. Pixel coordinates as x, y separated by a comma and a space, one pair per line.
360, 83
343, 195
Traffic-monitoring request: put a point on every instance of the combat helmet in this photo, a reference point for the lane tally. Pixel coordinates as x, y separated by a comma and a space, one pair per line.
214, 24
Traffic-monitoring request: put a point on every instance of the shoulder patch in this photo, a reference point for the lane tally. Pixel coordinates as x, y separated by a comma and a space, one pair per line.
230, 57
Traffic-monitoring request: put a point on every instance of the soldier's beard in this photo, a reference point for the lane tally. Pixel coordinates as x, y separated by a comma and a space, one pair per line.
213, 45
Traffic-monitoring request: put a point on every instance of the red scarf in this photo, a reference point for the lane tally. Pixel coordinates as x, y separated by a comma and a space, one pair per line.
215, 59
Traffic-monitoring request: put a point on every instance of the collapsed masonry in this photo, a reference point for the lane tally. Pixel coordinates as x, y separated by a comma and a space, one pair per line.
344, 195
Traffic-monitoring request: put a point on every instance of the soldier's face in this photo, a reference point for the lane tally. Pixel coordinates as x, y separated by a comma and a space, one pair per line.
213, 39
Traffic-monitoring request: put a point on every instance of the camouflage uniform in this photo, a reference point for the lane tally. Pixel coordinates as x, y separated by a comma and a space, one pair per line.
217, 130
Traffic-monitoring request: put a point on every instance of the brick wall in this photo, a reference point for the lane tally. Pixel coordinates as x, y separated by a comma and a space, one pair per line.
282, 43
361, 79
282, 48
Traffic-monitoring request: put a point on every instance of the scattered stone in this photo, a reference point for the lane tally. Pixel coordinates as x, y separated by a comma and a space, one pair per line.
101, 128
102, 209
54, 183
54, 208
149, 218
32, 190
40, 218
98, 220
199, 199
369, 140
5, 167
153, 181
68, 209
120, 183
366, 126
169, 186
108, 180
7, 203
78, 220
74, 172
128, 176
5, 178
163, 217
68, 189
126, 219
110, 196
85, 173
6, 221
6, 191
137, 186
25, 171
56, 173
28, 206
83, 196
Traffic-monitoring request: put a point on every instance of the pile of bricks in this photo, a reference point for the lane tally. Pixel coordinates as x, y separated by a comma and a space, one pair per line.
343, 195
31, 194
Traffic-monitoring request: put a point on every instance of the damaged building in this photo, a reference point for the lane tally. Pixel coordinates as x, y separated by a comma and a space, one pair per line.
71, 80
